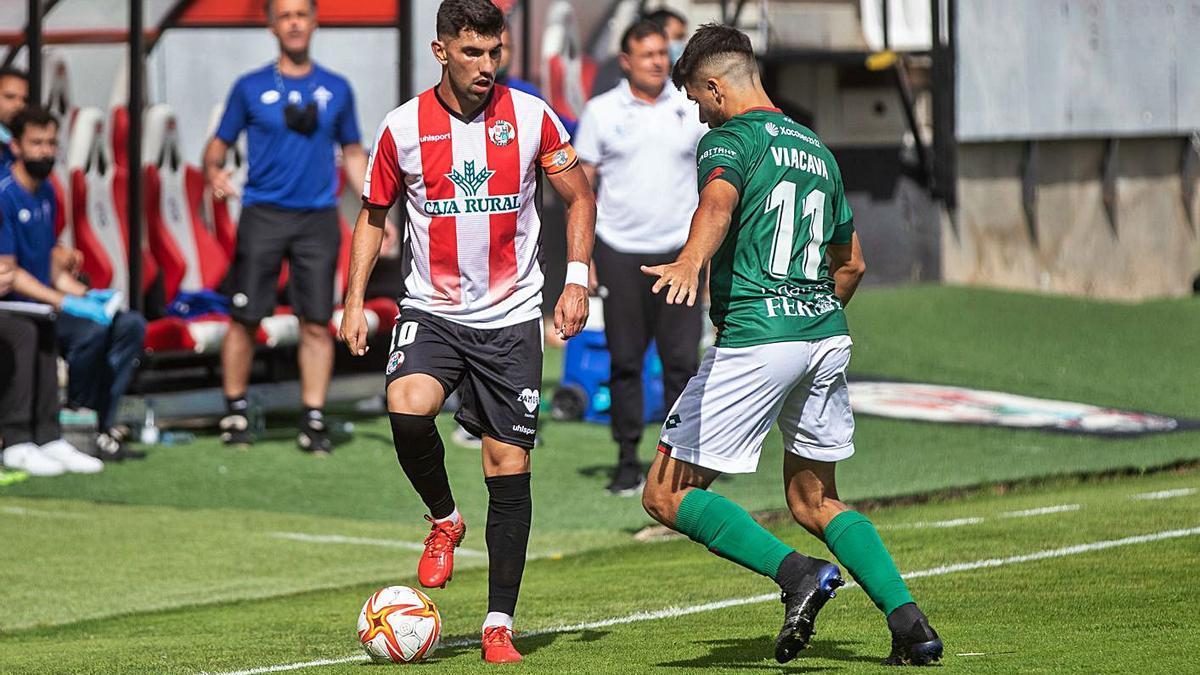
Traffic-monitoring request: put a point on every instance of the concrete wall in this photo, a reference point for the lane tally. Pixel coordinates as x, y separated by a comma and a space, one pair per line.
1153, 251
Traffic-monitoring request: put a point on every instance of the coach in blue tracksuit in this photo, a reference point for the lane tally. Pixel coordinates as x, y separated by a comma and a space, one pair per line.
294, 112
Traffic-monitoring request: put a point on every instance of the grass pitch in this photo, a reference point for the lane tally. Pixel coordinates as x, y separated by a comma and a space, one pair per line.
203, 558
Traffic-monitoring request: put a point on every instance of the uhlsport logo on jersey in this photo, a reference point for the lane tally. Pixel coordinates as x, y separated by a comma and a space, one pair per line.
502, 133
531, 398
469, 181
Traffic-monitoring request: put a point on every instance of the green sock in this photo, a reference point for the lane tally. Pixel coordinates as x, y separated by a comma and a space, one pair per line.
727, 530
856, 543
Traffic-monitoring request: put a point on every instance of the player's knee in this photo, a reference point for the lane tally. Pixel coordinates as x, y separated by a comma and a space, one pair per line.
415, 395
314, 330
659, 504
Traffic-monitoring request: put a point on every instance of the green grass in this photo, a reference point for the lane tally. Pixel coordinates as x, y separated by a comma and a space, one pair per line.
176, 564
1124, 609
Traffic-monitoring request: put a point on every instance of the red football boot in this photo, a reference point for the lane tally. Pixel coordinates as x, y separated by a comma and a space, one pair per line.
437, 563
497, 645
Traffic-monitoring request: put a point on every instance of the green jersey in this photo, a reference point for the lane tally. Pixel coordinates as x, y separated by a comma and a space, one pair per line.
770, 281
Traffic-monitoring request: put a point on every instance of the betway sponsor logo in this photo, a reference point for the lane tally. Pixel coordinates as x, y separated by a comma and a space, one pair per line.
464, 205
433, 138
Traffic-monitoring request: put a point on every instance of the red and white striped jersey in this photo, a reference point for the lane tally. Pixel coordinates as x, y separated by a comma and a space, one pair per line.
473, 229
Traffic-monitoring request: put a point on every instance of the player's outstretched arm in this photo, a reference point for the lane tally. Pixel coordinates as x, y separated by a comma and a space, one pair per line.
364, 251
573, 187
710, 224
847, 266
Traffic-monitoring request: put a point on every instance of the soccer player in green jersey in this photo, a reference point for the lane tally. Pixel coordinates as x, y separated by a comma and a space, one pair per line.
774, 223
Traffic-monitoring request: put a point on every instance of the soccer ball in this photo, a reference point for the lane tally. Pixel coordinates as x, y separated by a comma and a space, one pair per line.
399, 624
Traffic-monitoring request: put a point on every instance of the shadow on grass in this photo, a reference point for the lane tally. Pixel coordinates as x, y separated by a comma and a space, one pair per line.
527, 645
758, 654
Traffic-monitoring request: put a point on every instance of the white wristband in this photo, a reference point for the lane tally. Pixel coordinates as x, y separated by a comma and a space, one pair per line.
577, 273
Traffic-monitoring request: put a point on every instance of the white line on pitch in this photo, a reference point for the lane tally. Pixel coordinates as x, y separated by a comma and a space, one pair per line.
363, 541
1045, 510
1166, 494
672, 612
956, 522
22, 511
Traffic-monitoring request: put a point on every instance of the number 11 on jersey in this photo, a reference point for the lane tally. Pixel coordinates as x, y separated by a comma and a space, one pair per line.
783, 202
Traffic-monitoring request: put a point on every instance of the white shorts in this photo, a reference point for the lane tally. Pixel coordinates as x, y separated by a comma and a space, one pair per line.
724, 413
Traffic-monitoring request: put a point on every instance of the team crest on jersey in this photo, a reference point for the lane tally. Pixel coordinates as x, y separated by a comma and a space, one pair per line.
502, 133
395, 361
560, 158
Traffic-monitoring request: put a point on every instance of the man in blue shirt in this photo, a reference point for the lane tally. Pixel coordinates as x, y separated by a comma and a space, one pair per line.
14, 93
294, 112
100, 344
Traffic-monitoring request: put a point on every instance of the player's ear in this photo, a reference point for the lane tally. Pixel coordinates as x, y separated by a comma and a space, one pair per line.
713, 86
440, 52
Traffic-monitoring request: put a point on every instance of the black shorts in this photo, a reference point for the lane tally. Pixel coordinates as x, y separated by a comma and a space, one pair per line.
308, 239
500, 371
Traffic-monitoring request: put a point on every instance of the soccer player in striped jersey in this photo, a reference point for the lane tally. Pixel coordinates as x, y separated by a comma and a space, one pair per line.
774, 222
464, 157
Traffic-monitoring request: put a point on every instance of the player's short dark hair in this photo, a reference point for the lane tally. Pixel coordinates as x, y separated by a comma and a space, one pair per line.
663, 15
31, 116
9, 71
312, 5
639, 31
478, 16
710, 42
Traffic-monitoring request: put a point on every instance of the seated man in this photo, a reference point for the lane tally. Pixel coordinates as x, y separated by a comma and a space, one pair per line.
29, 431
101, 346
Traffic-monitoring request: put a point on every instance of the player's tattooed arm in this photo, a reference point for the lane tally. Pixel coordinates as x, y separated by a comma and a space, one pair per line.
847, 266
364, 251
710, 224
572, 186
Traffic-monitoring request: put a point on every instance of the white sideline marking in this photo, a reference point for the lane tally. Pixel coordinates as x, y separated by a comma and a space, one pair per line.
21, 511
363, 541
956, 522
1166, 494
1045, 510
673, 612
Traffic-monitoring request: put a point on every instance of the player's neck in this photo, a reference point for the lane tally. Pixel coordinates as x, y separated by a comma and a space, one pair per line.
744, 102
294, 64
462, 104
24, 179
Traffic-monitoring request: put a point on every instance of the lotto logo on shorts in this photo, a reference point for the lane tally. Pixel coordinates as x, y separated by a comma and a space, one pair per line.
394, 362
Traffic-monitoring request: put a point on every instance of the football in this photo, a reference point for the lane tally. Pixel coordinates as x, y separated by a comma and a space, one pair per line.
399, 624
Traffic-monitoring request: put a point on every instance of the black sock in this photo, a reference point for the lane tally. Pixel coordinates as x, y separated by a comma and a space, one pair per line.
794, 568
510, 510
903, 618
237, 405
423, 458
313, 418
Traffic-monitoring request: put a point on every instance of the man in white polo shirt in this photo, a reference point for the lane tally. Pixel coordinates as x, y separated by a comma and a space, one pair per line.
637, 144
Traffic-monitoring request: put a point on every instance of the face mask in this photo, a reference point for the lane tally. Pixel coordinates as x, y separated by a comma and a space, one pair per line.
301, 120
39, 168
674, 50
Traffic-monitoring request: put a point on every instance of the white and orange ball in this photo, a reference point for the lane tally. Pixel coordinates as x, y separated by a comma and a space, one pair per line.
399, 624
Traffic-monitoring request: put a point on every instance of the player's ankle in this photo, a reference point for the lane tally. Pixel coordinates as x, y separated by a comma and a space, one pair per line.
497, 619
